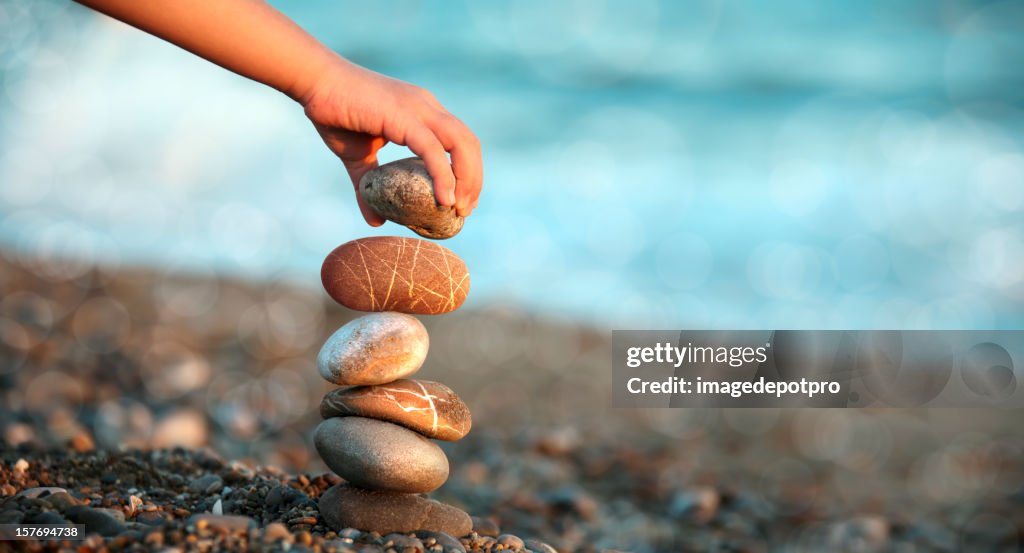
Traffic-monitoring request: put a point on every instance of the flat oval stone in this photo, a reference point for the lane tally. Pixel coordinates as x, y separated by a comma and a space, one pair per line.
430, 408
379, 455
390, 273
402, 191
345, 506
44, 491
374, 349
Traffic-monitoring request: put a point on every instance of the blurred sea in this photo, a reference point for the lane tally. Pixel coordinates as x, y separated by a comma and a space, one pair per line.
709, 164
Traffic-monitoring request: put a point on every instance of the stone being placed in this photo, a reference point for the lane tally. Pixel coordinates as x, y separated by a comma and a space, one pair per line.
390, 273
345, 506
374, 349
402, 191
430, 408
378, 455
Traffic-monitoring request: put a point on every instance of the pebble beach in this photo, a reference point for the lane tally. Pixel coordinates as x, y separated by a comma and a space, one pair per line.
175, 412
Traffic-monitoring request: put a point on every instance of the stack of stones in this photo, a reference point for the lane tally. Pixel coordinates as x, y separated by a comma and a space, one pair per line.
377, 430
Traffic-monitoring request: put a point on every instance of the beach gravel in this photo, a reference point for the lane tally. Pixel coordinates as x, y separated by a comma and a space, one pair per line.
95, 360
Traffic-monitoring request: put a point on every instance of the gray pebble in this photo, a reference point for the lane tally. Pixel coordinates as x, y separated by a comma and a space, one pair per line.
206, 484
350, 533
40, 492
116, 513
448, 542
403, 543
402, 191
46, 517
153, 518
99, 521
11, 517
381, 456
540, 547
508, 541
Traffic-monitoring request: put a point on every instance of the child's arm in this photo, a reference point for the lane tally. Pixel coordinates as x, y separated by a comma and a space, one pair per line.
355, 110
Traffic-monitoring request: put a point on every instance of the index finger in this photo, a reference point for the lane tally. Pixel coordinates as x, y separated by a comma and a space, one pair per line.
423, 142
467, 160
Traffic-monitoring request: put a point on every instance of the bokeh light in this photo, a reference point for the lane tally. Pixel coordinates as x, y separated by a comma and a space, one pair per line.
682, 143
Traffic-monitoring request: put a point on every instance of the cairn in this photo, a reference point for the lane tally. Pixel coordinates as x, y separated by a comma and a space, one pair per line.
377, 429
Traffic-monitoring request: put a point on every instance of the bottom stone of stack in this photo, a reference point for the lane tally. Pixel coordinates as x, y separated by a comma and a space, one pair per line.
345, 506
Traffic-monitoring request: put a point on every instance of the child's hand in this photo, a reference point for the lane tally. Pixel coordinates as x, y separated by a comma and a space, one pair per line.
358, 111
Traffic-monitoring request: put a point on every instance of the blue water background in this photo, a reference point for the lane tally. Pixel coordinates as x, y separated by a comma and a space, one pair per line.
788, 164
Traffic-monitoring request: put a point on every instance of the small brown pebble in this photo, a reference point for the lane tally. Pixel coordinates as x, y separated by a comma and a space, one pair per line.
304, 537
8, 489
303, 520
61, 501
276, 531
82, 442
155, 538
346, 506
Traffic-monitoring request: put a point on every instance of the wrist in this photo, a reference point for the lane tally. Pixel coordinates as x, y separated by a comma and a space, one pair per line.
314, 78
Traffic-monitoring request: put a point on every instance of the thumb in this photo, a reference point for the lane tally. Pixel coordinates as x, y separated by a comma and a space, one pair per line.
356, 170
